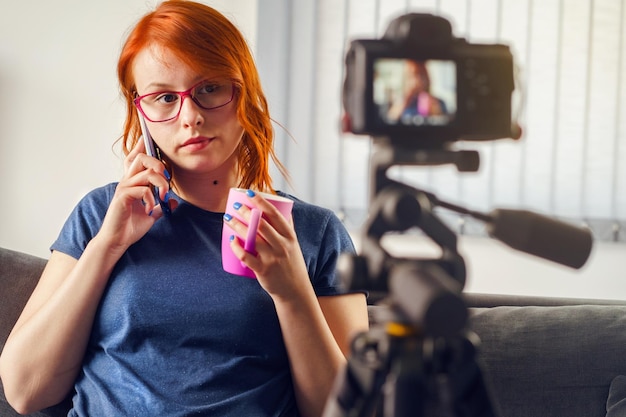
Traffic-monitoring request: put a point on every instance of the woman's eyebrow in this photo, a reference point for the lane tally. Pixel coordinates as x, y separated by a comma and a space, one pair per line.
159, 85
164, 86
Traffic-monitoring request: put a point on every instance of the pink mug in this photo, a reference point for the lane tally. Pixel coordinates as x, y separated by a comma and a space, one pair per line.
423, 104
230, 262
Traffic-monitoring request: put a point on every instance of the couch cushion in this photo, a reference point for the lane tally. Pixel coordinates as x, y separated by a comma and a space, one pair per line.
551, 361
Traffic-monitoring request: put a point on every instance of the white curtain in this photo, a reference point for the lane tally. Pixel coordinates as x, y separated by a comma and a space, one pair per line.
571, 160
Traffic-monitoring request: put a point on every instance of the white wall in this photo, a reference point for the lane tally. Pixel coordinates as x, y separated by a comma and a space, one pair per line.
60, 112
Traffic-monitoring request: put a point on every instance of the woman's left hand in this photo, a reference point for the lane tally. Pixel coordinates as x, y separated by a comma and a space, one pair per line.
278, 262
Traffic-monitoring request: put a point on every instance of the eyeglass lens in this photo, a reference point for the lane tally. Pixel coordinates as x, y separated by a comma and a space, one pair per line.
166, 105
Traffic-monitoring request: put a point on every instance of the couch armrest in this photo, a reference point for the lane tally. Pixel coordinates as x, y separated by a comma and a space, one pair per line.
19, 274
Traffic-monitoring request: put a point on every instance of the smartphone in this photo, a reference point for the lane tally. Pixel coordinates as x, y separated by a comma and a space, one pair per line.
151, 150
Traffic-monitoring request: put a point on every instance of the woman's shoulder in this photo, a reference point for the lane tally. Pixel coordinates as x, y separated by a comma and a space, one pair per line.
84, 221
306, 209
94, 204
100, 196
317, 222
104, 190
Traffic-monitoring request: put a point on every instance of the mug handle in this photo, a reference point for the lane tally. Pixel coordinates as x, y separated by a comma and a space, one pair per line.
250, 243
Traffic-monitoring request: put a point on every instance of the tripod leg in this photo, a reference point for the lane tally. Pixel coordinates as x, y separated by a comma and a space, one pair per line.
404, 390
460, 384
357, 390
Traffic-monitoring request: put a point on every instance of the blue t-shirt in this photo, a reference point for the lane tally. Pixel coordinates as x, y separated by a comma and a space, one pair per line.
176, 335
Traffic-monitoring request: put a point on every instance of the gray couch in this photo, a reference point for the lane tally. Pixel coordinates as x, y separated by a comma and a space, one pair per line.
542, 357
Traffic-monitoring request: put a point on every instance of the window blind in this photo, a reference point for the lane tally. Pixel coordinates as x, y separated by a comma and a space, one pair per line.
571, 160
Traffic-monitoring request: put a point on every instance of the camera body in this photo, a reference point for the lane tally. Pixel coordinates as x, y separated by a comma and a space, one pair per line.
419, 84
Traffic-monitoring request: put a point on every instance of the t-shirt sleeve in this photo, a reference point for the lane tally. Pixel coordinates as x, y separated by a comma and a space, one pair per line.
335, 241
84, 222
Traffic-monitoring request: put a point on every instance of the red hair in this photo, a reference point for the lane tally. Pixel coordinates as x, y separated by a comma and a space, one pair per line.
206, 41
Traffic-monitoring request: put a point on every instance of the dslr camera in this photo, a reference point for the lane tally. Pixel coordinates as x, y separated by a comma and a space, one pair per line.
419, 82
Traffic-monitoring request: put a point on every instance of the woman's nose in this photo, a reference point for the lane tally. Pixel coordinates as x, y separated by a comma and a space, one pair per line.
190, 112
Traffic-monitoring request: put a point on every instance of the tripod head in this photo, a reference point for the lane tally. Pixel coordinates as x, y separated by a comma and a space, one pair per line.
397, 207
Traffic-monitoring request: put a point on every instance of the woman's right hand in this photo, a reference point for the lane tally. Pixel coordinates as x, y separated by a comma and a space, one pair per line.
134, 209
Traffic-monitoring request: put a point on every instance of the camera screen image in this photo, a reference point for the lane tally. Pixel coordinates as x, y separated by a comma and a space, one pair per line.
408, 92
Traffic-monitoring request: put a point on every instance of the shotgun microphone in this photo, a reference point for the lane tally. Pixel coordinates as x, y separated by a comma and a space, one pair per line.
532, 233
541, 236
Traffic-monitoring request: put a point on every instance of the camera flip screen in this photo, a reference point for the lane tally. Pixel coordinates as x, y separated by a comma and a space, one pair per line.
409, 92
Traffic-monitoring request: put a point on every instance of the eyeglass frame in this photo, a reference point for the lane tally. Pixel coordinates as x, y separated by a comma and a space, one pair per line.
183, 95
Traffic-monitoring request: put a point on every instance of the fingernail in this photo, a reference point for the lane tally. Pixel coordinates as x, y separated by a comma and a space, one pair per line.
237, 205
150, 214
167, 174
167, 197
250, 193
231, 238
227, 217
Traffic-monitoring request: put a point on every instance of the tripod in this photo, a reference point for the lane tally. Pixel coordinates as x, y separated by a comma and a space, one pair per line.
421, 361
398, 372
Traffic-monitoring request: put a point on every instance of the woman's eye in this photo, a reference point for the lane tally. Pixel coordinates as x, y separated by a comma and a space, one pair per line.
166, 98
207, 89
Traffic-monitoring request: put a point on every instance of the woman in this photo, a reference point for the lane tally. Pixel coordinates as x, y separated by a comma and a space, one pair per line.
133, 311
416, 98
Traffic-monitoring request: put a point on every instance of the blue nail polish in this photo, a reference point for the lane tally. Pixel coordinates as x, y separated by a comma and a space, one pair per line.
167, 175
167, 197
231, 238
250, 193
227, 217
237, 205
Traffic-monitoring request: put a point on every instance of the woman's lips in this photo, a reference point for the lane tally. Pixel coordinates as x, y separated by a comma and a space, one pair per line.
196, 144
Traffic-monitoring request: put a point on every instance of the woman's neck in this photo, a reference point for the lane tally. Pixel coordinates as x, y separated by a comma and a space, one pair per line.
207, 191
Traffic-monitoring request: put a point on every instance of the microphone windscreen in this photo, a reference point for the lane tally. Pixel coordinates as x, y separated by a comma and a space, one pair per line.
542, 236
